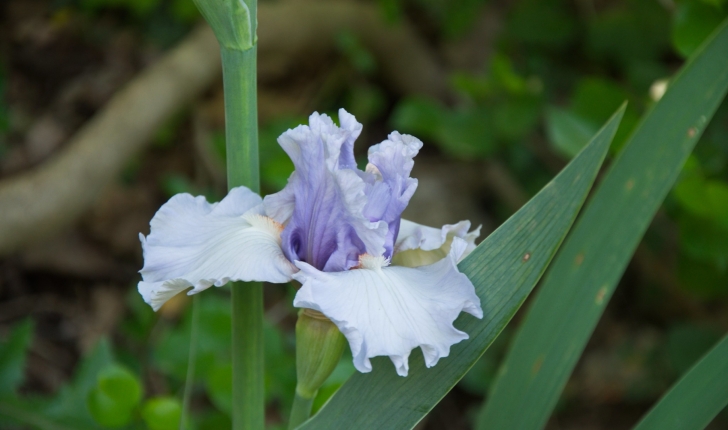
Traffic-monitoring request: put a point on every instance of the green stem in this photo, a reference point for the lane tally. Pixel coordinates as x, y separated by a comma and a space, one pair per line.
234, 23
241, 117
301, 411
190, 380
248, 390
241, 125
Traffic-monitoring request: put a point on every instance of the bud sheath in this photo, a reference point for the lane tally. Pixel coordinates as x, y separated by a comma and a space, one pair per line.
319, 345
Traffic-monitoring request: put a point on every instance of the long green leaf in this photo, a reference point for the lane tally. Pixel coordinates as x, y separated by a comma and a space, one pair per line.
593, 258
697, 398
504, 269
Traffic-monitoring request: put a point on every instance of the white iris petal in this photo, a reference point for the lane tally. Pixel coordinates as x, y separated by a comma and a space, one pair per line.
420, 245
390, 310
197, 244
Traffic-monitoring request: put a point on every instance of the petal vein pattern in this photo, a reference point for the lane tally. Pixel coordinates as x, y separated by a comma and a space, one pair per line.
390, 163
322, 205
197, 244
390, 310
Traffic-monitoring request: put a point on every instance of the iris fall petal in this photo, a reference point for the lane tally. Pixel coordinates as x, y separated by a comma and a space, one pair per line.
389, 310
419, 245
196, 244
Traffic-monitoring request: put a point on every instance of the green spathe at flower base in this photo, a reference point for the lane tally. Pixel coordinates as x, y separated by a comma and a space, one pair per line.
233, 22
319, 345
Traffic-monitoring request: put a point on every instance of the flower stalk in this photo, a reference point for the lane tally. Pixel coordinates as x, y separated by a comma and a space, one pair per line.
319, 345
241, 133
234, 23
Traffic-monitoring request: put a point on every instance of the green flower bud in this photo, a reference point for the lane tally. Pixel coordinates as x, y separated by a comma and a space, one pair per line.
319, 345
233, 21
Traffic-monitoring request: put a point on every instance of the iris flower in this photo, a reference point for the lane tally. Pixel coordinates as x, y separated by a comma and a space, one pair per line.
389, 285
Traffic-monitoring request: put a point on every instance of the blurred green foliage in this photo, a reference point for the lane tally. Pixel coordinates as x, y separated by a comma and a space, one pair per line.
451, 18
162, 21
12, 357
694, 21
162, 413
180, 10
4, 120
108, 389
561, 69
686, 343
69, 406
113, 400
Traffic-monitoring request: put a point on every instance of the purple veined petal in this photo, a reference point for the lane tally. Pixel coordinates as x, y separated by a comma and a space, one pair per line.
322, 204
388, 311
390, 164
350, 124
196, 244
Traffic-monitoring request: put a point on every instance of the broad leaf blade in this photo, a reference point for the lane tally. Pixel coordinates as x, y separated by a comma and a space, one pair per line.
593, 258
697, 398
504, 269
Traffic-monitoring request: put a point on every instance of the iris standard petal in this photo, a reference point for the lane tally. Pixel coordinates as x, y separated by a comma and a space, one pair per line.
390, 164
420, 245
388, 311
323, 201
196, 244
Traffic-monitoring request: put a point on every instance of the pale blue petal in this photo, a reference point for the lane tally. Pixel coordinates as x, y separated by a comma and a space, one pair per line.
322, 205
196, 244
391, 162
388, 311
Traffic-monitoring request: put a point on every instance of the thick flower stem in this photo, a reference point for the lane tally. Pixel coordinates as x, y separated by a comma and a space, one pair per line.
247, 333
301, 411
241, 131
241, 117
234, 22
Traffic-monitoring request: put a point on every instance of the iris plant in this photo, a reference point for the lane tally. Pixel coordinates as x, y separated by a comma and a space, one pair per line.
389, 285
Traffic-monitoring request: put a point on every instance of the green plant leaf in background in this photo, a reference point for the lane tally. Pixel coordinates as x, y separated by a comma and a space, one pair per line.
504, 269
113, 400
462, 133
687, 342
697, 398
12, 356
593, 101
591, 262
542, 24
567, 132
693, 22
67, 409
162, 413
